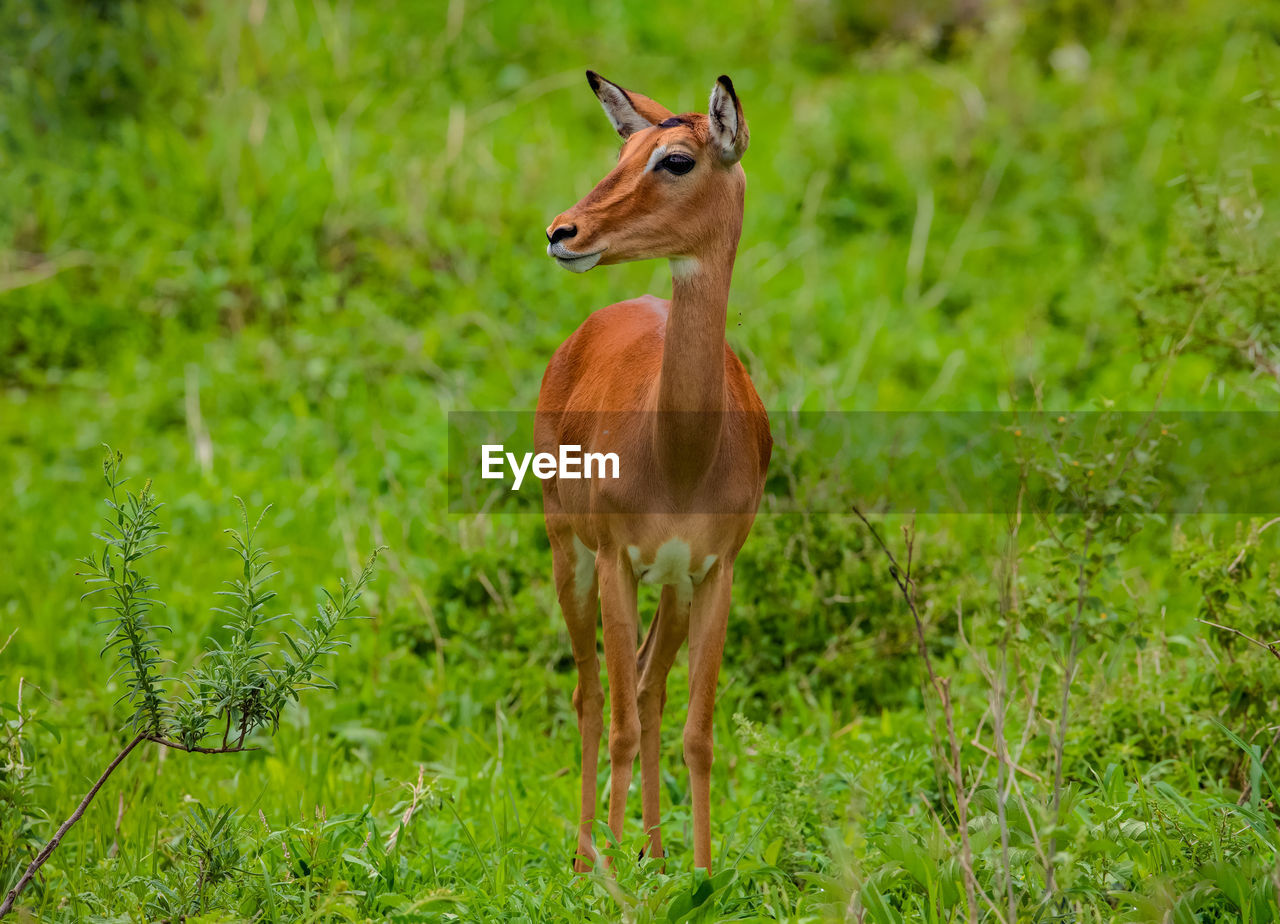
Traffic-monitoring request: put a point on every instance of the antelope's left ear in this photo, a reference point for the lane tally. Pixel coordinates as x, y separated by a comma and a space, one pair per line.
728, 126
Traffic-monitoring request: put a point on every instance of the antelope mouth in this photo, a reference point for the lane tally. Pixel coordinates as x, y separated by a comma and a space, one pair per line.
574, 262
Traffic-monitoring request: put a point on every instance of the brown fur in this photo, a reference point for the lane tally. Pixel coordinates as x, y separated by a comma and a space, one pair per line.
654, 381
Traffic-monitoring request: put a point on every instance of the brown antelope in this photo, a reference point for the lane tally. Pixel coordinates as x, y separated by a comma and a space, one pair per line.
654, 382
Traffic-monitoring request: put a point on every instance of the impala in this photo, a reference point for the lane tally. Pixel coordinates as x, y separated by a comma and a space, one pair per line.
655, 382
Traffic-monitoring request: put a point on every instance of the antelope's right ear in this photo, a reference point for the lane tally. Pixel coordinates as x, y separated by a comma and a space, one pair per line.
629, 112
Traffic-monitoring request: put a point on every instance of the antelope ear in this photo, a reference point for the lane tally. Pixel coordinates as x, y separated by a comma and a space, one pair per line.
629, 112
728, 126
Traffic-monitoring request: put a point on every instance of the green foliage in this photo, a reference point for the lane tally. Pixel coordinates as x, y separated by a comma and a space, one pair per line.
264, 244
235, 684
21, 777
131, 528
210, 858
232, 685
799, 811
816, 617
237, 677
1217, 291
235, 681
1239, 593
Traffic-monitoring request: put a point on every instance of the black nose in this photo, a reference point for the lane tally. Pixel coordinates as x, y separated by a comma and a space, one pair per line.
560, 233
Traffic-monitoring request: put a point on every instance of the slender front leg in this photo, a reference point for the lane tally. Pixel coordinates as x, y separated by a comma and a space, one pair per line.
618, 609
577, 591
708, 618
666, 634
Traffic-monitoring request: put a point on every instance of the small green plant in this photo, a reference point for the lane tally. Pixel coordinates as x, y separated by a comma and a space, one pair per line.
1215, 294
799, 813
20, 776
210, 858
1240, 601
235, 688
1094, 489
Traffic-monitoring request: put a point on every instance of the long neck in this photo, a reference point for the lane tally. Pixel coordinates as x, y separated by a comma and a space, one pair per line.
692, 376
691, 397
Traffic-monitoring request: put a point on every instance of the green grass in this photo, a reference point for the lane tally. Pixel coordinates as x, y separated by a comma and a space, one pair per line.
264, 248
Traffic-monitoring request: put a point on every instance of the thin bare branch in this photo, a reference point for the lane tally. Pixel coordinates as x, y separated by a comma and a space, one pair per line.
43, 856
942, 688
192, 749
1029, 774
1265, 646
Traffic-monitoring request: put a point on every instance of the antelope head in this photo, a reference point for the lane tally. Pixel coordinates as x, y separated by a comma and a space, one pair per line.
677, 190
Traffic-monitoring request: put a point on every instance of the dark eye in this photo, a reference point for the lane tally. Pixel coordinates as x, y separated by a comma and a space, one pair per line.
679, 164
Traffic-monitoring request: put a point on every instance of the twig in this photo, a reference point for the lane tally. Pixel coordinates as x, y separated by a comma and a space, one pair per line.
1005, 765
1060, 743
1244, 551
1265, 646
50, 847
1029, 774
42, 270
193, 749
941, 687
1033, 703
1272, 647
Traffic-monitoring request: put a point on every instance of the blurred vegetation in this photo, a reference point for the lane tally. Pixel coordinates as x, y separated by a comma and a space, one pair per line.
264, 247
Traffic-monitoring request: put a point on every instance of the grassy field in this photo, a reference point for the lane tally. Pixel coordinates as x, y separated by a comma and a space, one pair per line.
264, 248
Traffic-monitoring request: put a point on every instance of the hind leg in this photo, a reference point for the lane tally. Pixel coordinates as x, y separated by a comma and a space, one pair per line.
661, 645
619, 618
708, 620
578, 592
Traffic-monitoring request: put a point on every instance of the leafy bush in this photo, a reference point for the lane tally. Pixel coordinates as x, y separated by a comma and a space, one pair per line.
233, 686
